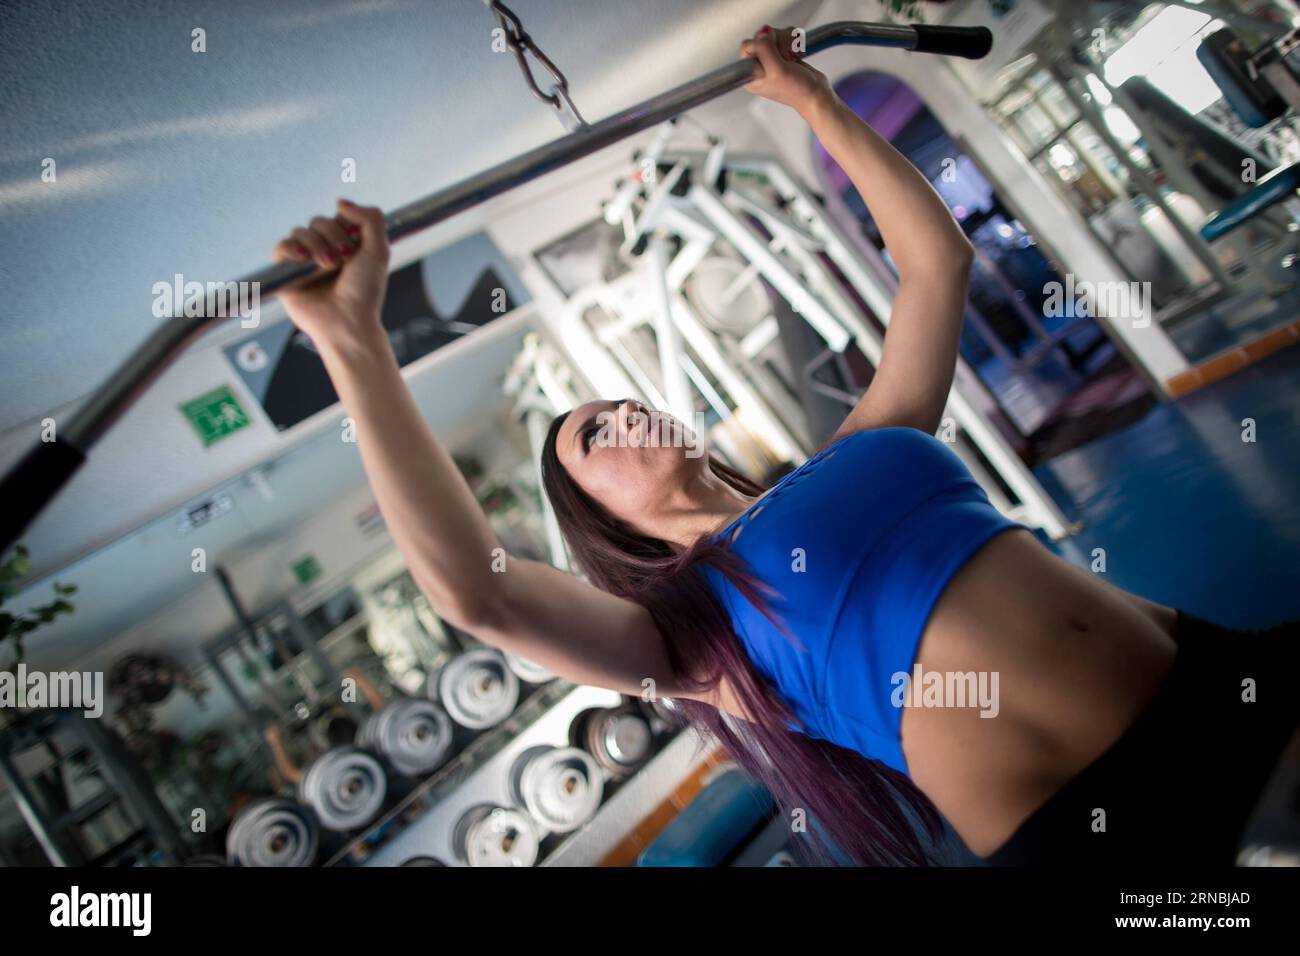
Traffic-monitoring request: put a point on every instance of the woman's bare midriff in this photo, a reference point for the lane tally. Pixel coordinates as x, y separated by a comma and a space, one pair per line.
1077, 660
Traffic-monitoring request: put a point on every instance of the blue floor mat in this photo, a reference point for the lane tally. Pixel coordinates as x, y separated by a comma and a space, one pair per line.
1188, 513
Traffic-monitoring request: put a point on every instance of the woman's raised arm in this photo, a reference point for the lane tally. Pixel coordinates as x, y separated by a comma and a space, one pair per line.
932, 254
454, 556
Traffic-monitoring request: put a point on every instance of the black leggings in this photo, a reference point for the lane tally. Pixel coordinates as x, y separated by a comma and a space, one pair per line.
1180, 784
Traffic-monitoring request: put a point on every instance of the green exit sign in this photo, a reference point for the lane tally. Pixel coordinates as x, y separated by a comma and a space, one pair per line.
215, 414
307, 569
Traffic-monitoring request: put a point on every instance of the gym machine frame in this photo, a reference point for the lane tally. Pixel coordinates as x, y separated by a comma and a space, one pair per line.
689, 203
825, 299
30, 485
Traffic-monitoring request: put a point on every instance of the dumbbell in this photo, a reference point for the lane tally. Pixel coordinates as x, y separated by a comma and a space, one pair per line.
414, 736
526, 670
477, 689
345, 786
488, 835
619, 738
273, 831
560, 787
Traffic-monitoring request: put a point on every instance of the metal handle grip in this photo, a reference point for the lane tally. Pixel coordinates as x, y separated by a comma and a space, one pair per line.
48, 472
971, 42
32, 483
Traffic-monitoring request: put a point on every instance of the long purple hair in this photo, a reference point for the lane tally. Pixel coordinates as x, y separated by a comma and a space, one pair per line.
859, 804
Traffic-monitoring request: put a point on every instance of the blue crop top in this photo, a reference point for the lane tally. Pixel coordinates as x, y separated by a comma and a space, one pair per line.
859, 542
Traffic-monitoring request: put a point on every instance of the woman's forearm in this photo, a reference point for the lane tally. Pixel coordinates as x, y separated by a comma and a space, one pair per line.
914, 221
429, 508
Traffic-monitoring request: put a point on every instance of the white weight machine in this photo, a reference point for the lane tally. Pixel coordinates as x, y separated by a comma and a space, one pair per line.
692, 327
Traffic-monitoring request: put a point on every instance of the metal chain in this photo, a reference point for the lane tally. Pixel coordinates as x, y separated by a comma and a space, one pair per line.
520, 42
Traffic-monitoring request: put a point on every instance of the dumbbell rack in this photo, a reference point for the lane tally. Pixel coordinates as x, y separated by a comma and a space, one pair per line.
422, 824
633, 801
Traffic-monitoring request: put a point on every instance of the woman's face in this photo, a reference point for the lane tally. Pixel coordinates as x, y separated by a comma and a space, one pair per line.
628, 457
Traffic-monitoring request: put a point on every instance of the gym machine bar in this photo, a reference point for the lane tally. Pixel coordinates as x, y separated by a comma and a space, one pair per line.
33, 482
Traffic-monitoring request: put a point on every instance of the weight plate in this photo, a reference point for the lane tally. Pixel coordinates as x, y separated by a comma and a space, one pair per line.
413, 735
526, 670
272, 831
345, 786
477, 689
665, 710
561, 787
728, 296
423, 861
619, 738
496, 836
625, 739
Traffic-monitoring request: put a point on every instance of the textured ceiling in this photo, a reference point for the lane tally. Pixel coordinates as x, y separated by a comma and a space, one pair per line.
169, 160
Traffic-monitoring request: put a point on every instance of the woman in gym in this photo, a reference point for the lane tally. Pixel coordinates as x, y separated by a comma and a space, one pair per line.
869, 637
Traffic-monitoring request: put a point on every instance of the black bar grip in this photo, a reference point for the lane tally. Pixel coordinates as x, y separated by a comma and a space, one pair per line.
971, 42
32, 483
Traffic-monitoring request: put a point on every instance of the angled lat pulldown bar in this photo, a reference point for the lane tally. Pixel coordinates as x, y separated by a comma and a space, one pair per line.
33, 482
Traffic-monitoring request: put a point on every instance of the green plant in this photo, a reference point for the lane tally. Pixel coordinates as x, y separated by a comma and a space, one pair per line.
909, 10
18, 626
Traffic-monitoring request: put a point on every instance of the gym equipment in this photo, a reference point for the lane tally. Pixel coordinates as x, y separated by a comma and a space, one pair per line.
495, 836
561, 787
345, 786
38, 748
526, 670
414, 736
1199, 159
1206, 163
32, 483
1248, 92
644, 333
273, 831
728, 296
1208, 159
477, 689
1277, 186
540, 382
1279, 63
278, 652
423, 861
618, 738
664, 709
480, 774
713, 825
